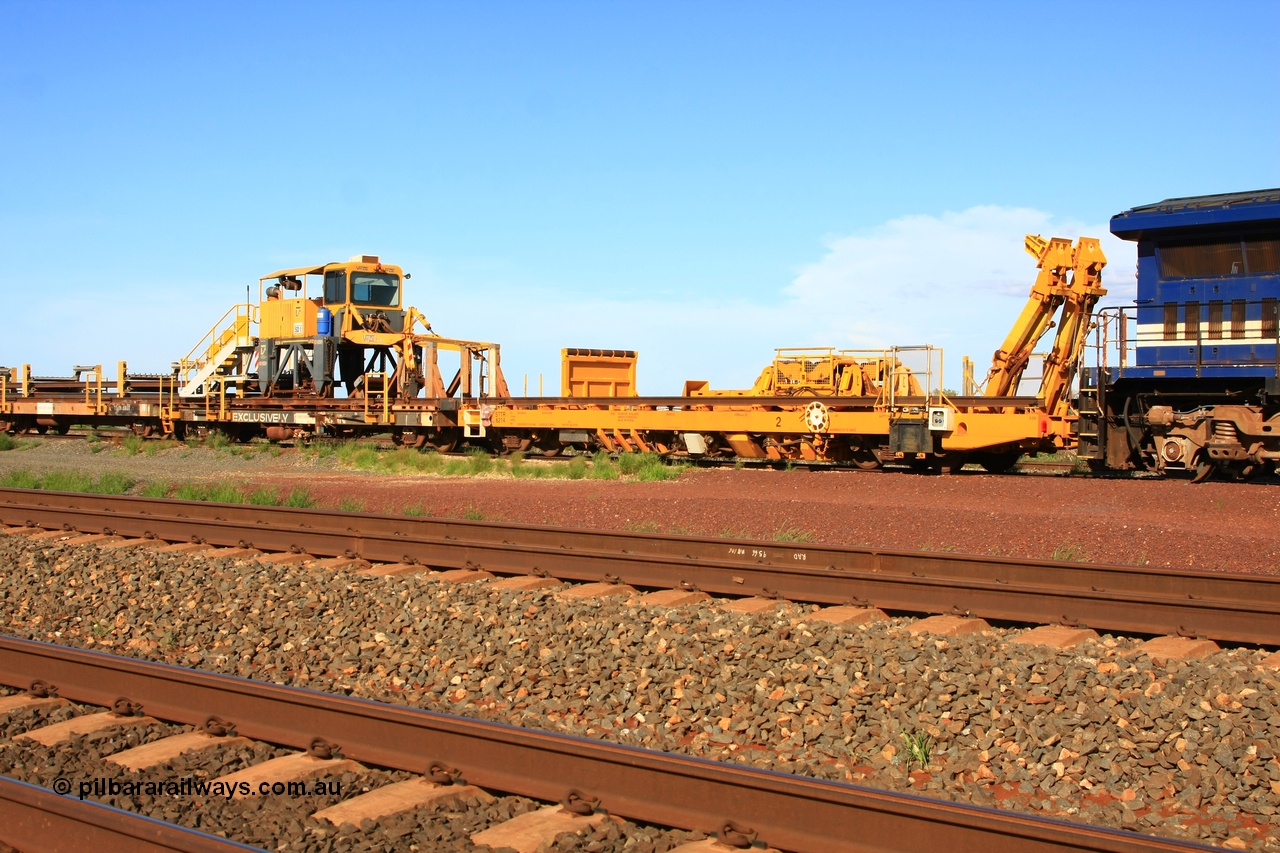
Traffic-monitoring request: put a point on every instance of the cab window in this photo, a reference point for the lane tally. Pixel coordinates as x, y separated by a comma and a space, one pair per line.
335, 287
380, 289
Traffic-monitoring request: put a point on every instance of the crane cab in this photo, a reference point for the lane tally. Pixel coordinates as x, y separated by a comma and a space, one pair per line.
355, 317
360, 295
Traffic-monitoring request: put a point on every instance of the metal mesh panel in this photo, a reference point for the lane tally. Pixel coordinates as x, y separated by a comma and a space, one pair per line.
1203, 260
1262, 255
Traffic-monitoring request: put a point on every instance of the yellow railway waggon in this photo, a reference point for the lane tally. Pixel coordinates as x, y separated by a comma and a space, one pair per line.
332, 350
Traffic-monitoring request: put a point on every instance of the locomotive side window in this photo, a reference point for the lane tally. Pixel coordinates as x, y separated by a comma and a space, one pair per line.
1193, 321
1171, 321
1215, 319
1237, 318
335, 287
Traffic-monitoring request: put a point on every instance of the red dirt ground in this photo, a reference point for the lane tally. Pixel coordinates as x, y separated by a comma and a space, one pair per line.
1215, 526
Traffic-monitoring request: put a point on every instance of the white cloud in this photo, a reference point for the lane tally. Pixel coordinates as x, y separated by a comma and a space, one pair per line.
957, 280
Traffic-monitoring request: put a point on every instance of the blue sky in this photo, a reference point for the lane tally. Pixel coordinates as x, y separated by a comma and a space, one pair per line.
700, 181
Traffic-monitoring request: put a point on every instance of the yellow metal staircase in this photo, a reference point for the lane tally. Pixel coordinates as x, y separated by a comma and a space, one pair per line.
224, 351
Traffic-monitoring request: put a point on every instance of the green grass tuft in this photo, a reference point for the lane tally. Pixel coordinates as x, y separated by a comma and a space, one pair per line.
349, 504
919, 748
188, 492
479, 462
358, 454
20, 478
602, 467
132, 444
792, 534
67, 481
112, 483
224, 493
151, 448
299, 499
264, 496
217, 440
156, 489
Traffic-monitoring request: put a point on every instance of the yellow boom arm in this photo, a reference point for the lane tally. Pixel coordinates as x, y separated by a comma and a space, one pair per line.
1068, 276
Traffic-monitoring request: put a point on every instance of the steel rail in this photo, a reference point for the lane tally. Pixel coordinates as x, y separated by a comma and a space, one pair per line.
36, 820
789, 812
1134, 599
1227, 607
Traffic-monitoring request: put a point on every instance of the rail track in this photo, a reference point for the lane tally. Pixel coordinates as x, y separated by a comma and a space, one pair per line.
592, 780
1237, 608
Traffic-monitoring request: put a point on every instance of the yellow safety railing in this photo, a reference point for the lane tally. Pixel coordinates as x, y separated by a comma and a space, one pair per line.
167, 404
221, 382
804, 367
219, 335
93, 388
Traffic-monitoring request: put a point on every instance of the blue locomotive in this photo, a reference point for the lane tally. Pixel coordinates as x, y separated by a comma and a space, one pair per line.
1188, 379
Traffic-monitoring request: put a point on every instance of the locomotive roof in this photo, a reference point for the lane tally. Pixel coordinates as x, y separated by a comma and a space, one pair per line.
1191, 214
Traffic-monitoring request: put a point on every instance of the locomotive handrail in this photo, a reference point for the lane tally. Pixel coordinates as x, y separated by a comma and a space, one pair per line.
1117, 331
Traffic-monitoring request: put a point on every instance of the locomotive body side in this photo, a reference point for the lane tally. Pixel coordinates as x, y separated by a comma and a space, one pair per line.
1197, 379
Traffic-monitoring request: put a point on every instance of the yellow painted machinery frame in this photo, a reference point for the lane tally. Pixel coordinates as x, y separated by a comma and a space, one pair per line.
812, 404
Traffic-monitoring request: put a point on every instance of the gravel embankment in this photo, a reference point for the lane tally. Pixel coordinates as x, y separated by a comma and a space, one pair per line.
1093, 734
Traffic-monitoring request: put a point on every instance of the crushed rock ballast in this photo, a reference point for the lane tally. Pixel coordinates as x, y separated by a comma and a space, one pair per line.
1094, 733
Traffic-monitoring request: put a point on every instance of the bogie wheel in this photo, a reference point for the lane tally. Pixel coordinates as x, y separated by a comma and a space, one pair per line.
501, 445
1000, 461
409, 438
952, 463
442, 440
865, 458
1204, 467
549, 445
